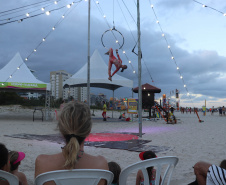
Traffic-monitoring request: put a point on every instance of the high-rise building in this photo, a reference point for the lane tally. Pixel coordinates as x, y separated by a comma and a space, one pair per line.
77, 93
56, 80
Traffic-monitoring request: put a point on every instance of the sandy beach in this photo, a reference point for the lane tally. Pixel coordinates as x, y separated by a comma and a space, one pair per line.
189, 140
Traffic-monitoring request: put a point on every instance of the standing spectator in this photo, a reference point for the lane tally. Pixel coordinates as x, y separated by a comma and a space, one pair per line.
212, 110
104, 111
223, 110
220, 111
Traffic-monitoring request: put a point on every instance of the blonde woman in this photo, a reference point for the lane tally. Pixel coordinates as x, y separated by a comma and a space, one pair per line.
74, 125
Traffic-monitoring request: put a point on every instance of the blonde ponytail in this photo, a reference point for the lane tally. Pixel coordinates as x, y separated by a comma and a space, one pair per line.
75, 125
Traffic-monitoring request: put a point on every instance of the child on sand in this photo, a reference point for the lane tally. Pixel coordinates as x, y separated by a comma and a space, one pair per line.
15, 161
151, 171
116, 170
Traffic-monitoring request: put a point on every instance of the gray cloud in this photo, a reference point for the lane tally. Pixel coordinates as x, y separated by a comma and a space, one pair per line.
66, 49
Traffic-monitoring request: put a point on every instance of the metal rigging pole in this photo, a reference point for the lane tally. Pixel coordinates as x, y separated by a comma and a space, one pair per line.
88, 65
139, 72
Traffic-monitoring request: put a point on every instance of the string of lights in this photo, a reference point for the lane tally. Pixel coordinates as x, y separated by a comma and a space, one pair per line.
44, 39
15, 16
205, 6
23, 7
28, 16
116, 40
169, 48
133, 35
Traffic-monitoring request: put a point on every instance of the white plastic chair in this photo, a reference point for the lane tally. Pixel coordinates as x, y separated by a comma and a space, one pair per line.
159, 163
12, 179
75, 176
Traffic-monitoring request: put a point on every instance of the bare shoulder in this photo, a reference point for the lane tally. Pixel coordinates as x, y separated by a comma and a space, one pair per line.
98, 162
45, 163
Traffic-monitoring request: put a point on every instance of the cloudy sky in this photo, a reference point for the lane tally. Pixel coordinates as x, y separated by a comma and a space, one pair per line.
196, 36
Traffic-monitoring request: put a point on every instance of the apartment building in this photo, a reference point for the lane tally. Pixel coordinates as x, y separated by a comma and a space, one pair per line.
77, 93
56, 80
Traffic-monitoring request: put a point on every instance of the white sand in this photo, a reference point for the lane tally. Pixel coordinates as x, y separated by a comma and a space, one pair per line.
189, 140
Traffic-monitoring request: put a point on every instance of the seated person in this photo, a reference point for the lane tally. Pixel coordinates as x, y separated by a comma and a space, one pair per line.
75, 125
151, 171
15, 161
123, 116
116, 170
209, 174
4, 162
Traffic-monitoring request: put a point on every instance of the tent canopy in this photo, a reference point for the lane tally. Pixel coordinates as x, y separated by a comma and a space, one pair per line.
98, 76
21, 79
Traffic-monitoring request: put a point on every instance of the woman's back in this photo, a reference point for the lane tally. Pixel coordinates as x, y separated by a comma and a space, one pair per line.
74, 125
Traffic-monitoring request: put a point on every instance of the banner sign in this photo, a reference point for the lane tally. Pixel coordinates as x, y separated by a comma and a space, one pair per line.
18, 85
132, 106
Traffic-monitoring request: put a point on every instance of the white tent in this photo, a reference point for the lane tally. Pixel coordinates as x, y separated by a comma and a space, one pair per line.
98, 76
16, 75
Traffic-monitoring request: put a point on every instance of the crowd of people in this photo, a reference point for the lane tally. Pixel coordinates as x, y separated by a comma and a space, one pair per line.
75, 125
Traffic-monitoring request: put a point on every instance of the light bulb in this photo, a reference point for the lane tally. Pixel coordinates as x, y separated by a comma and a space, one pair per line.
62, 16
169, 46
184, 85
53, 28
181, 77
68, 6
203, 6
163, 34
55, 2
10, 76
26, 59
44, 40
129, 61
152, 6
116, 41
42, 8
144, 88
177, 68
172, 58
27, 14
157, 21
104, 16
97, 2
35, 50
124, 52
18, 67
224, 14
48, 13
134, 71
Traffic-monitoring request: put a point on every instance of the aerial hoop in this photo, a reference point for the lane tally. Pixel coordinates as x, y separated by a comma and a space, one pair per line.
112, 29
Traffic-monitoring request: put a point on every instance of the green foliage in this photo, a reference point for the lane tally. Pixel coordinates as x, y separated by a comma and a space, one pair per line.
12, 98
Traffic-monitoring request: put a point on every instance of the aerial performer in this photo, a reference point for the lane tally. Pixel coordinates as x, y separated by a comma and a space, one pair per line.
116, 62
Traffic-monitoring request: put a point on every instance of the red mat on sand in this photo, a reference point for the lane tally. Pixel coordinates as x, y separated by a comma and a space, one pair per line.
100, 137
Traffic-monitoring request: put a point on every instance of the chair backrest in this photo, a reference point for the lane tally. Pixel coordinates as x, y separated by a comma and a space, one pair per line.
161, 164
75, 176
12, 179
